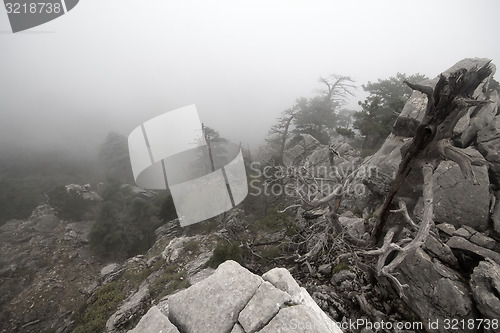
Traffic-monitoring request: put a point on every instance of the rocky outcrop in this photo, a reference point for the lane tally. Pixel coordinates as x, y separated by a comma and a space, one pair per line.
436, 276
485, 285
154, 321
478, 130
45, 268
303, 148
435, 291
233, 299
459, 201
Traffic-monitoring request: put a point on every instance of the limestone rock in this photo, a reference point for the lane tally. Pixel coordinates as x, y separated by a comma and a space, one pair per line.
132, 307
355, 226
441, 251
462, 232
491, 151
298, 319
435, 291
262, 307
154, 322
476, 119
457, 200
303, 148
460, 243
213, 304
447, 228
109, 269
483, 241
175, 248
496, 213
411, 115
282, 279
485, 285
237, 329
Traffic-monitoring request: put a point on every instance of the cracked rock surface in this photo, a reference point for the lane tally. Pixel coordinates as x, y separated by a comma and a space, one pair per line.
233, 299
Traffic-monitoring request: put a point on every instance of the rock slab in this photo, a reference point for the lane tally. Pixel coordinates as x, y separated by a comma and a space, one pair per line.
154, 321
213, 304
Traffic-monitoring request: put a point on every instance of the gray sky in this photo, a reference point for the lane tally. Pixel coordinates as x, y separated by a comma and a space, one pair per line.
111, 65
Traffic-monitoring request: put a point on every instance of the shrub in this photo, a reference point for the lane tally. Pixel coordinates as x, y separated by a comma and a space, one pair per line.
347, 132
124, 226
192, 246
226, 251
68, 205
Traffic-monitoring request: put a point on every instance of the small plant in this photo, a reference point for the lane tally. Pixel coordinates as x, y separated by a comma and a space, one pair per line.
192, 246
169, 282
107, 299
226, 251
341, 266
272, 222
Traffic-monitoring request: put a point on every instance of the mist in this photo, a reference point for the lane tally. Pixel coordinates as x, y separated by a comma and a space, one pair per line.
110, 66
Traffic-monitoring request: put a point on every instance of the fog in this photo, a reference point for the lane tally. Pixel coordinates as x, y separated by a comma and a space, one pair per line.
111, 65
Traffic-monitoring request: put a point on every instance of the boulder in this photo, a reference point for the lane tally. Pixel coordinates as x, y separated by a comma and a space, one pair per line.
411, 115
282, 279
213, 304
262, 307
457, 200
488, 139
434, 291
475, 120
302, 149
463, 244
154, 321
485, 285
495, 216
441, 251
110, 272
355, 226
132, 306
234, 300
298, 319
447, 228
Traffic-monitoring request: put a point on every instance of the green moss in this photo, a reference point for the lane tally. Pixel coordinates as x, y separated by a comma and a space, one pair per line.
169, 282
340, 267
108, 297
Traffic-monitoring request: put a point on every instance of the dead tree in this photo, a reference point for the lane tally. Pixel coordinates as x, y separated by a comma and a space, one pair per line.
446, 104
279, 134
